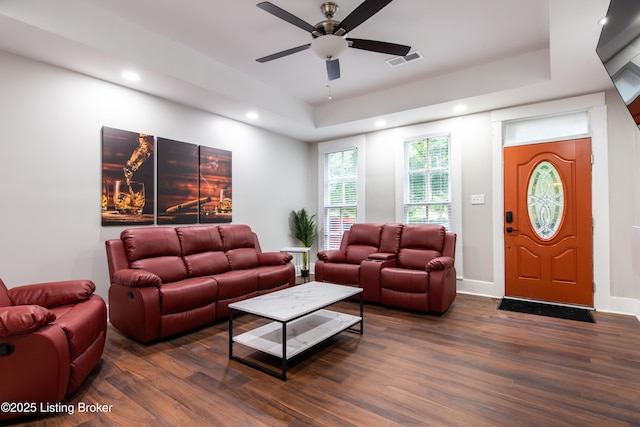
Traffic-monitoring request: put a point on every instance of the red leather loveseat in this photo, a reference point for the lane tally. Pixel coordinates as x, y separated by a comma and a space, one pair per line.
407, 266
52, 335
166, 280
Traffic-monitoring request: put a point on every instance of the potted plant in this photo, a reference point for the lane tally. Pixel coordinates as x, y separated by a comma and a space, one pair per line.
305, 230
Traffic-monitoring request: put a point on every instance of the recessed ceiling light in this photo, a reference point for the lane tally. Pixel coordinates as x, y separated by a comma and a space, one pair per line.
131, 76
459, 108
252, 115
603, 21
380, 123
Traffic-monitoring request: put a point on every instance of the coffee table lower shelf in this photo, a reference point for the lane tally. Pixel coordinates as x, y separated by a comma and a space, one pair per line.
301, 334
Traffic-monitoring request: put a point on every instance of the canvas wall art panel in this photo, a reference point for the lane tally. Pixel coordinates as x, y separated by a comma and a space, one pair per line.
127, 177
215, 185
177, 180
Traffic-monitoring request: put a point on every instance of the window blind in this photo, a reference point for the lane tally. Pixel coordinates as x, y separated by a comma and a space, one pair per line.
340, 195
427, 181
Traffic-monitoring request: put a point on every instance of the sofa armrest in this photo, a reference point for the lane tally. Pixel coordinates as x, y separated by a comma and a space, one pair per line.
440, 263
20, 319
274, 258
382, 256
136, 278
333, 255
52, 294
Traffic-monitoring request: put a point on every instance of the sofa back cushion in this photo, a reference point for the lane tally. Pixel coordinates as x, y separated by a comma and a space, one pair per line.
390, 238
362, 241
240, 246
202, 250
4, 296
155, 249
419, 244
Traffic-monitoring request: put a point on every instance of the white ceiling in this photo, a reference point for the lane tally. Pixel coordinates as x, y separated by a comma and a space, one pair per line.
485, 54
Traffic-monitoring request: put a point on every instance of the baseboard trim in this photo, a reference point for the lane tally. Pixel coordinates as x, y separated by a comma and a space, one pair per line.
614, 305
478, 287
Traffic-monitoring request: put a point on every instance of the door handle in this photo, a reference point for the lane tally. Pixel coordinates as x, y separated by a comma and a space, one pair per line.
511, 229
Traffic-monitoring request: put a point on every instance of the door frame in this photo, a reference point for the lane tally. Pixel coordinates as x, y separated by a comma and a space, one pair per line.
595, 107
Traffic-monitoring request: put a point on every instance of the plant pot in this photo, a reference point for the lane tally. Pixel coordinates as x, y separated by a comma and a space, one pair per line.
304, 273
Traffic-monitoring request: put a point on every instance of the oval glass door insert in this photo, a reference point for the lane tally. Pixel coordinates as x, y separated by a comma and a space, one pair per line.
545, 200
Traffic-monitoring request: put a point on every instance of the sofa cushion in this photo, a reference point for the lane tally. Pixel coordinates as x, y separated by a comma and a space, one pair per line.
342, 274
237, 236
197, 239
140, 243
53, 293
362, 241
404, 280
23, 318
419, 244
188, 294
157, 250
82, 322
168, 268
242, 258
206, 263
237, 283
390, 238
273, 276
423, 236
358, 253
365, 234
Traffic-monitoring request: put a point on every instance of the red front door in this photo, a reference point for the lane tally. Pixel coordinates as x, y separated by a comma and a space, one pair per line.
548, 225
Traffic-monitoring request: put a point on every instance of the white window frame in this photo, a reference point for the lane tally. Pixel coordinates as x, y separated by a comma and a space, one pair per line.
405, 172
454, 127
324, 148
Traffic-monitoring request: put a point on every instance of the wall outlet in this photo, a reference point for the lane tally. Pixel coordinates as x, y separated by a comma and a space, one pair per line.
477, 199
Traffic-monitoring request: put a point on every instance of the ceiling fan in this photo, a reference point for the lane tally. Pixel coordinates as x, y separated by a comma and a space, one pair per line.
328, 35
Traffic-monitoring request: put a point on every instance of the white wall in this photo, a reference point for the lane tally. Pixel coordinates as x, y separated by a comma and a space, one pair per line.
623, 151
50, 164
617, 290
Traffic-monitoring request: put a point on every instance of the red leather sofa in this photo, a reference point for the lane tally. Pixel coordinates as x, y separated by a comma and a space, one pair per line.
52, 335
166, 280
407, 266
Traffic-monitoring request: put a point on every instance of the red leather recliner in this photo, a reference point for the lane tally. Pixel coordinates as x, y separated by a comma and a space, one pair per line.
424, 278
342, 266
405, 266
52, 335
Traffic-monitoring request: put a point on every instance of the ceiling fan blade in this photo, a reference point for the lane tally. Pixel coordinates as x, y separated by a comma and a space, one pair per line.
284, 53
283, 14
366, 10
333, 69
381, 47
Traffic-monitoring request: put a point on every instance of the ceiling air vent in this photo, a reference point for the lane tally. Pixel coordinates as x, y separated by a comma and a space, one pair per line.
399, 60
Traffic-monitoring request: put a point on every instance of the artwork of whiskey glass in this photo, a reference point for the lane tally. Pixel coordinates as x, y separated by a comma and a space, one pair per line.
128, 198
105, 195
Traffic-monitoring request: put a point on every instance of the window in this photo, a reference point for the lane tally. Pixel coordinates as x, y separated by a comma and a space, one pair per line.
427, 195
340, 195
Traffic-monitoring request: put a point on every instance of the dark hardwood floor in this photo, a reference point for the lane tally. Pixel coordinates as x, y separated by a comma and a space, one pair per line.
472, 366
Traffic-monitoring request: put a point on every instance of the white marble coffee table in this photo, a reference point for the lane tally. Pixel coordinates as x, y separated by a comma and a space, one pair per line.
300, 321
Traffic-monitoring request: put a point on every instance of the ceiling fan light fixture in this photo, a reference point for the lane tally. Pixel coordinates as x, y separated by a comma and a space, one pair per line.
329, 47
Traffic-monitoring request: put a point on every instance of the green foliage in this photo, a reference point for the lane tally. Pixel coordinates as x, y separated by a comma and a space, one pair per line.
305, 230
304, 227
